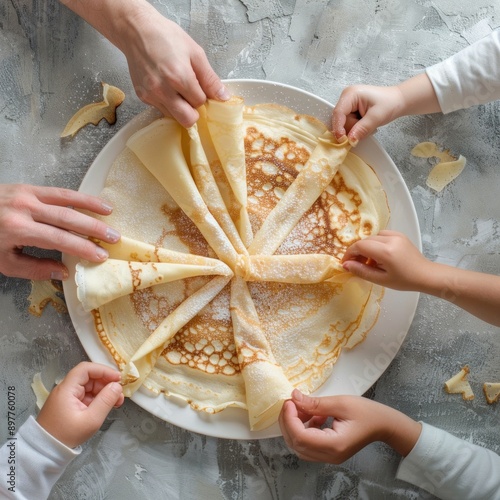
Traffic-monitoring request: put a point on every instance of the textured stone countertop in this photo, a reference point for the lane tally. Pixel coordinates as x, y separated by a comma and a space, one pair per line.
52, 63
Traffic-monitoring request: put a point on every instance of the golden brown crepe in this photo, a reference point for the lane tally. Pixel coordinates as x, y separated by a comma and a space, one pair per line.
252, 210
43, 293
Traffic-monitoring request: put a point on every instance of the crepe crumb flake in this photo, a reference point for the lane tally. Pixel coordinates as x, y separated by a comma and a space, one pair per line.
95, 112
458, 384
43, 293
445, 171
39, 389
491, 391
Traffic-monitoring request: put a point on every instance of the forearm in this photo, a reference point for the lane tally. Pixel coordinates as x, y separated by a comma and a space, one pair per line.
477, 293
418, 96
114, 19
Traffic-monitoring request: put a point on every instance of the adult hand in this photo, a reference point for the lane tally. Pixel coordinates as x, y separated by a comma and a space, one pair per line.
388, 259
170, 70
357, 421
77, 406
44, 217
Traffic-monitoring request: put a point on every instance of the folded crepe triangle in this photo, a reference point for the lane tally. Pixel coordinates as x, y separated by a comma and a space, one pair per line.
300, 196
299, 269
134, 265
98, 284
134, 250
207, 185
266, 385
225, 125
159, 148
144, 359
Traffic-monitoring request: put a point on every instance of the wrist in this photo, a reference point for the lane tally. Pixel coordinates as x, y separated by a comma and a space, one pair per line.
419, 274
128, 25
117, 20
401, 432
400, 104
418, 96
435, 279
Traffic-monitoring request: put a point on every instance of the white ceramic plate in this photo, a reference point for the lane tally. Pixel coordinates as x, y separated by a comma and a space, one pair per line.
357, 370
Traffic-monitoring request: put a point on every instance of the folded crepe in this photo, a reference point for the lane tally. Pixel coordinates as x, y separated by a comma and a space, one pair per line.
249, 213
98, 284
301, 269
265, 382
141, 363
159, 148
226, 129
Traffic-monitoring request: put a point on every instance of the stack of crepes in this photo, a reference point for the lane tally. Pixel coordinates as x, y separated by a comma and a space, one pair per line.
227, 288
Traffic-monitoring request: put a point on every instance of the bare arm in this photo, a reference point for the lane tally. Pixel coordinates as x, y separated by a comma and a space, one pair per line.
419, 97
477, 293
396, 263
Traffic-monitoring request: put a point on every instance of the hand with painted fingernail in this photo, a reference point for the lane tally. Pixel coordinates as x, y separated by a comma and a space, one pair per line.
45, 217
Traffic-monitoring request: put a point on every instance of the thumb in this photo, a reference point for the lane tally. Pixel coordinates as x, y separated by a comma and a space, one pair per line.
110, 396
364, 271
346, 106
29, 267
313, 405
363, 127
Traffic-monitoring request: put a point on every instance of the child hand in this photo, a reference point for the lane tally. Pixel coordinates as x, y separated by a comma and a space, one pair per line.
77, 407
388, 259
361, 109
356, 423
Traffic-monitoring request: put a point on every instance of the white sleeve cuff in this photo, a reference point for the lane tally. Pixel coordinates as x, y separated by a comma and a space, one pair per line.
32, 461
46, 444
449, 467
470, 77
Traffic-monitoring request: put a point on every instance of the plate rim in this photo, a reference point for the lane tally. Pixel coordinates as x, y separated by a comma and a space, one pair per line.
204, 424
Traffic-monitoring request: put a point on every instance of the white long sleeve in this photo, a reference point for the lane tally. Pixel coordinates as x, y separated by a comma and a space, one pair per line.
470, 77
31, 462
451, 468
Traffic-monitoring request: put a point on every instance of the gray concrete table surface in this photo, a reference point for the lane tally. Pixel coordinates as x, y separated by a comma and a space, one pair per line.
52, 63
